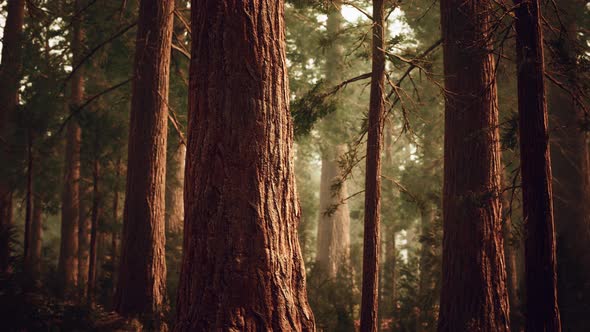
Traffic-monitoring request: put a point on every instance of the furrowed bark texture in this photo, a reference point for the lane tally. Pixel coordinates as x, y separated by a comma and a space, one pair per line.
70, 210
176, 192
141, 286
242, 268
474, 295
371, 240
333, 244
10, 73
542, 313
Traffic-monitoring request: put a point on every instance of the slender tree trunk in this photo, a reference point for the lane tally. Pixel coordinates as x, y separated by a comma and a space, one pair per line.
512, 280
96, 210
333, 244
141, 287
114, 235
371, 241
474, 295
542, 313
241, 250
571, 169
10, 74
29, 202
84, 241
36, 240
176, 192
70, 211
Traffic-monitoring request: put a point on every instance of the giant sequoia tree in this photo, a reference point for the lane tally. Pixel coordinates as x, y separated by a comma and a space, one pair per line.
242, 268
542, 313
10, 72
474, 295
141, 284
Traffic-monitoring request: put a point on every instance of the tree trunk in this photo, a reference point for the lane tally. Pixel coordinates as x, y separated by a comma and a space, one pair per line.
84, 242
70, 211
333, 243
512, 281
141, 288
474, 295
92, 260
242, 268
176, 192
36, 241
10, 75
542, 313
571, 171
29, 202
371, 241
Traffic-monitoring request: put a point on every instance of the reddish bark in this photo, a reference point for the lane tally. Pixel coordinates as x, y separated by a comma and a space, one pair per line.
141, 286
242, 268
371, 241
474, 295
542, 313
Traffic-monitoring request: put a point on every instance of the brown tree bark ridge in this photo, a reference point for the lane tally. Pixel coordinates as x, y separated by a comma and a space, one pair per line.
542, 313
371, 241
242, 267
141, 284
474, 295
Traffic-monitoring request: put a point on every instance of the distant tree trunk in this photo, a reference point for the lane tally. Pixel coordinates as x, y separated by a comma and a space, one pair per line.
333, 241
10, 75
571, 169
241, 250
371, 241
96, 211
333, 244
510, 250
542, 313
474, 295
70, 211
84, 241
141, 287
176, 192
36, 241
29, 202
114, 234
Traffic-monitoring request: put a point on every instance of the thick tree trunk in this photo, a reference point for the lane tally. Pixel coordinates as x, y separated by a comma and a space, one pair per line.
242, 268
96, 210
571, 171
371, 240
141, 288
10, 74
333, 243
542, 313
176, 192
70, 212
474, 295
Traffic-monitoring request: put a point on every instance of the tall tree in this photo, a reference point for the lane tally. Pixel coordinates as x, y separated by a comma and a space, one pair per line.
542, 313
570, 163
242, 267
10, 74
176, 193
474, 295
371, 241
141, 286
70, 210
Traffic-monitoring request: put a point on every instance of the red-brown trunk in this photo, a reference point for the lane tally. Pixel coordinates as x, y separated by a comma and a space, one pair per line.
474, 295
542, 313
242, 268
371, 241
141, 287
